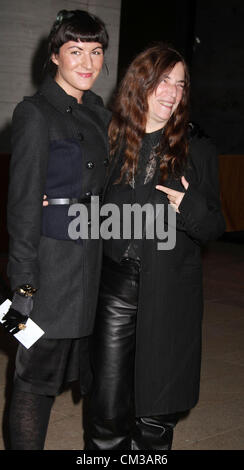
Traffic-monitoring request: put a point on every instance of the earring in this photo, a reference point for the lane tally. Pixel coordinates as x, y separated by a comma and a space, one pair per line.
106, 67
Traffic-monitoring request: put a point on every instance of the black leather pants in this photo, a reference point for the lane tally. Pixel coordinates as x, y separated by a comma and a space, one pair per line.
111, 422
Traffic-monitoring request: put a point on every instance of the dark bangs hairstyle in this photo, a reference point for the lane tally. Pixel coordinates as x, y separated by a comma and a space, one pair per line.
75, 25
130, 110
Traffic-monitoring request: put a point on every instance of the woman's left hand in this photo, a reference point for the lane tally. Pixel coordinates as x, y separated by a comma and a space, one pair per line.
174, 197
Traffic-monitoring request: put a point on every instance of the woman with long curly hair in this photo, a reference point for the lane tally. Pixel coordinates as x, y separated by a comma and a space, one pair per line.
147, 339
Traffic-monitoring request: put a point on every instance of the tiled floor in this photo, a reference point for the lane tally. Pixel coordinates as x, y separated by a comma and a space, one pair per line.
217, 422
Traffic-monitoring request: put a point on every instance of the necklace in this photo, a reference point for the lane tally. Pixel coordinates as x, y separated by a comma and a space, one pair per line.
153, 141
133, 177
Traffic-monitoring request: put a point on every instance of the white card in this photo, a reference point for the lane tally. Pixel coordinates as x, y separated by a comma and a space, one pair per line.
4, 307
30, 334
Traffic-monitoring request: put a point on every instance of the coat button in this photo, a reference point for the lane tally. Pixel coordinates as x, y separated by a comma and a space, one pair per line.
69, 109
90, 165
80, 136
106, 162
88, 194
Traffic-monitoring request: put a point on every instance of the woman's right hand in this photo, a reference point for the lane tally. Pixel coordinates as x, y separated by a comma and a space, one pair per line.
174, 197
45, 203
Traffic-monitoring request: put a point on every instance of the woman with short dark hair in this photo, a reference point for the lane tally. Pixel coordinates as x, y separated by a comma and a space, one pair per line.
147, 339
59, 149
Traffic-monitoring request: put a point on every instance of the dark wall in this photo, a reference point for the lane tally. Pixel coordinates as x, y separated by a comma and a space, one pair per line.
218, 73
210, 36
143, 22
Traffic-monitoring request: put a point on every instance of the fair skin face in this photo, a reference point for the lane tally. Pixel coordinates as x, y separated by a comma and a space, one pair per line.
78, 66
165, 98
162, 103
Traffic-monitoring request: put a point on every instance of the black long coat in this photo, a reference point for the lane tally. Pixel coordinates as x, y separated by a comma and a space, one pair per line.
59, 148
169, 319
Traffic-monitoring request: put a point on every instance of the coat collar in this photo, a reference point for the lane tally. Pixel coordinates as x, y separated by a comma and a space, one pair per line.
61, 100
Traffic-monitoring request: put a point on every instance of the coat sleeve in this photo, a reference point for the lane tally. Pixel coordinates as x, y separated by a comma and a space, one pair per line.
200, 210
28, 168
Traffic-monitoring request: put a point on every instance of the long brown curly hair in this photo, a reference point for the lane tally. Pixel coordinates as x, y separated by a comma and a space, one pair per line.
130, 110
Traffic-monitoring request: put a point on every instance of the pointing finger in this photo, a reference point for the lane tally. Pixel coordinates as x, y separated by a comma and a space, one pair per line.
167, 190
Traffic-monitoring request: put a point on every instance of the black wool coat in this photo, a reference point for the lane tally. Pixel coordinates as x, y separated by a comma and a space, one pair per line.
169, 318
59, 148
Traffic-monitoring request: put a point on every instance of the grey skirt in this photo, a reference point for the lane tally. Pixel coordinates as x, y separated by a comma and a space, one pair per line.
49, 364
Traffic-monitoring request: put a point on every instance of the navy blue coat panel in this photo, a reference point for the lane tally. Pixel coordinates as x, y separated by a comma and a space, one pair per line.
59, 148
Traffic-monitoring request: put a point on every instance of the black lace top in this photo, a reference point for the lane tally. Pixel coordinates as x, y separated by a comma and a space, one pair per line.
136, 192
